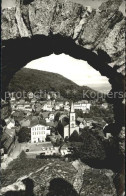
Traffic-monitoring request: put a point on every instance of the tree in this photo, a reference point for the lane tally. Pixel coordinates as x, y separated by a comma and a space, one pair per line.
24, 135
57, 117
79, 113
74, 137
60, 129
59, 142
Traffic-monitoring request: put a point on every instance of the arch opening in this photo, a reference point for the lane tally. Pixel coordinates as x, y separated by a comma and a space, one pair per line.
17, 53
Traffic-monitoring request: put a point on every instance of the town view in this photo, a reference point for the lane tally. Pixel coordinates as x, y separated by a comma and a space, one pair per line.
49, 119
62, 98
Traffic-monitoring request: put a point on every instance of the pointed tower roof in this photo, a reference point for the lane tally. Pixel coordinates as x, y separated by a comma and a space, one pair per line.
72, 107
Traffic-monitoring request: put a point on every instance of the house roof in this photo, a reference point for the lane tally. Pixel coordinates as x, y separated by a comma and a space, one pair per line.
38, 122
19, 118
18, 113
10, 132
25, 123
80, 119
4, 137
7, 143
45, 114
52, 124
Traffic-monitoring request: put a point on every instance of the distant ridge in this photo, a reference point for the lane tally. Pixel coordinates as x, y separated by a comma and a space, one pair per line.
34, 80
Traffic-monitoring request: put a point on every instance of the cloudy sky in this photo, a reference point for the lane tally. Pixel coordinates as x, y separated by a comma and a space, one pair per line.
78, 71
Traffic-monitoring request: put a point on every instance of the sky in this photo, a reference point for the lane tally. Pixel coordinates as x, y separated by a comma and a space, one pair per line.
78, 71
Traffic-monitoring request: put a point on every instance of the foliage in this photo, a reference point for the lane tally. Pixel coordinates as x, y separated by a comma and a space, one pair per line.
24, 135
60, 129
97, 111
74, 137
59, 142
57, 117
29, 80
79, 113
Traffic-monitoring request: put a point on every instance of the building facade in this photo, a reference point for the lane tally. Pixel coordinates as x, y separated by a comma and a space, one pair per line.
82, 106
39, 133
72, 126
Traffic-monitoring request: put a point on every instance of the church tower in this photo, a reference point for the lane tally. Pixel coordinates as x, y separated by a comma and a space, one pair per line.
72, 124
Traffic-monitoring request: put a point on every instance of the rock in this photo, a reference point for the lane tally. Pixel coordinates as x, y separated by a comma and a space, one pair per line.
106, 25
67, 180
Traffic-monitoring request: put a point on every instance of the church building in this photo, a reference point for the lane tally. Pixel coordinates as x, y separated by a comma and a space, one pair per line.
72, 126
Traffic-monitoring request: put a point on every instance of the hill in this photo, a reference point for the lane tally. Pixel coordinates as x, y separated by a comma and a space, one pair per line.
34, 80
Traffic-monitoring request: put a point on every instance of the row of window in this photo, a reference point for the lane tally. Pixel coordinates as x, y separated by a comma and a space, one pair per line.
38, 133
38, 128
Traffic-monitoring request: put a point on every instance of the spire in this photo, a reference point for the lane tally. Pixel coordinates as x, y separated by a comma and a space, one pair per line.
72, 107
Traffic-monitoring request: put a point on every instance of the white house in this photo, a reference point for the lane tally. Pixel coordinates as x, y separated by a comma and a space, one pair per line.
51, 116
47, 120
39, 133
61, 104
82, 106
47, 107
66, 102
56, 107
20, 107
28, 108
67, 107
10, 124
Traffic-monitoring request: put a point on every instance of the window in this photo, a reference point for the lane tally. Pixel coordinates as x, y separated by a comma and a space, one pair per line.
72, 125
72, 118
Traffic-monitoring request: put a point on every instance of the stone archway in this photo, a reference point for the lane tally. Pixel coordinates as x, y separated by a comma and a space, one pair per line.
37, 28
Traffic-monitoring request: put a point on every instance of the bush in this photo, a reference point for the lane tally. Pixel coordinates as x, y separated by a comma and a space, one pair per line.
74, 137
24, 135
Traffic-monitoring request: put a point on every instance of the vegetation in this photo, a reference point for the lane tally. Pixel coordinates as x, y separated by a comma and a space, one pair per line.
24, 135
74, 137
97, 112
34, 80
56, 119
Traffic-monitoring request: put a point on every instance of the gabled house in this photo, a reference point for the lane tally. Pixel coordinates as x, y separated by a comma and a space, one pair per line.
10, 124
51, 116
